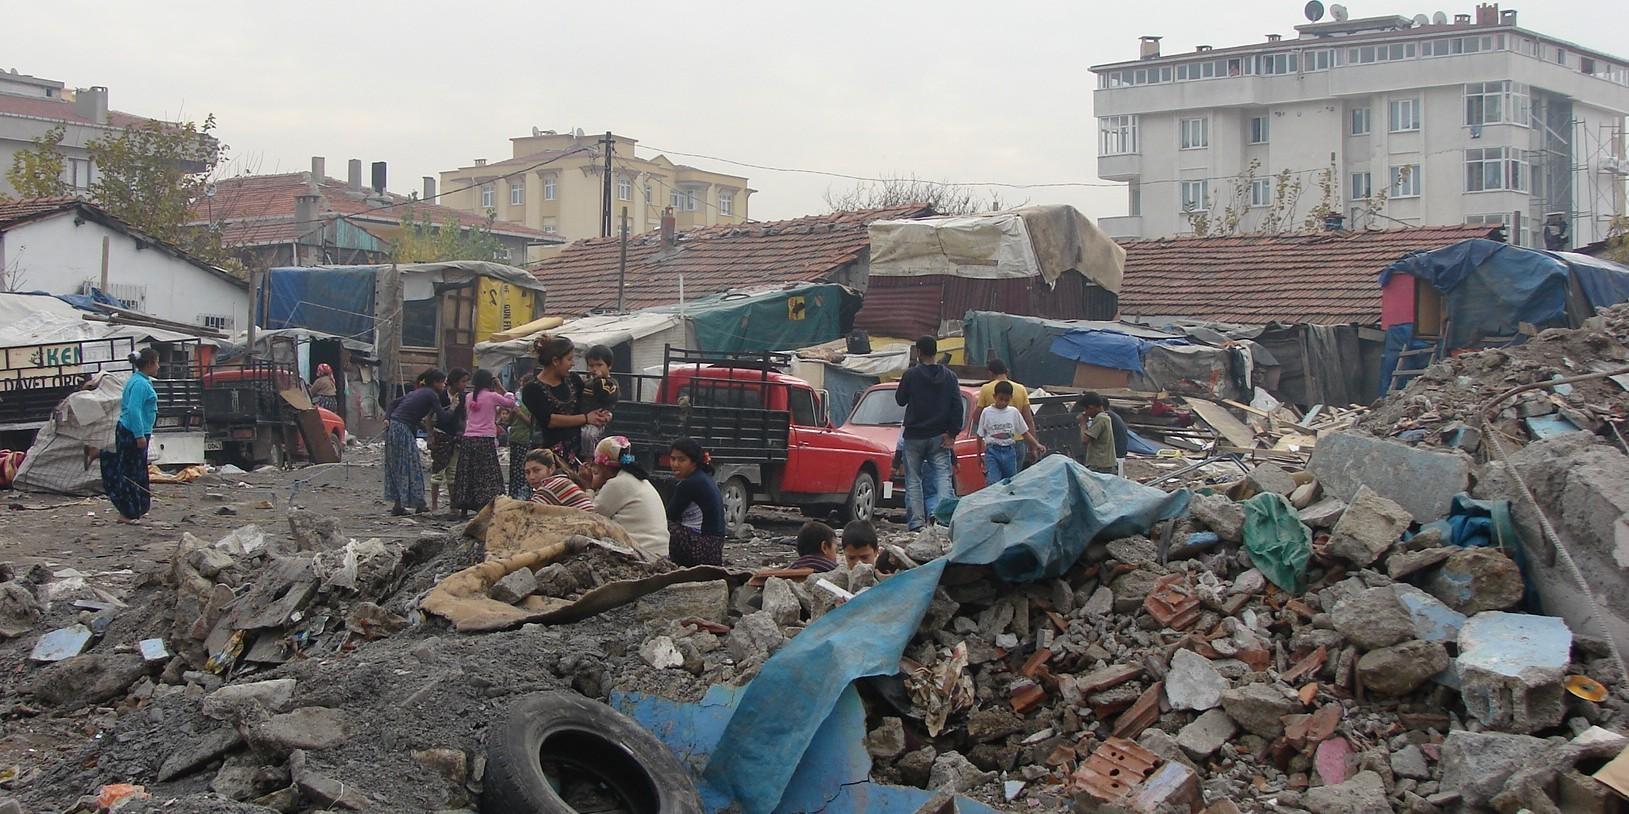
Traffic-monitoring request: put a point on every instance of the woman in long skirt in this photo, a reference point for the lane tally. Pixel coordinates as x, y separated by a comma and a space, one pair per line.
444, 438
480, 478
324, 393
404, 466
124, 468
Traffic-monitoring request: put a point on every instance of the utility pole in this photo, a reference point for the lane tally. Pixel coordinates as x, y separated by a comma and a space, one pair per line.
605, 207
622, 266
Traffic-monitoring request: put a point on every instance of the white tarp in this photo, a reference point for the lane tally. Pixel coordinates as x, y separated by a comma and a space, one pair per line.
647, 331
1036, 241
85, 419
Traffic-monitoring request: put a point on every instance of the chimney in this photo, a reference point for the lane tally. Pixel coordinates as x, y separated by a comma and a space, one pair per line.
1149, 48
353, 174
1487, 13
379, 177
1507, 17
1334, 222
1200, 49
669, 225
429, 188
480, 162
1274, 37
91, 103
1462, 19
307, 221
319, 168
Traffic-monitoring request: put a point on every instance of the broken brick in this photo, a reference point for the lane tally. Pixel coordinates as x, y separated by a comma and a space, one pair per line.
1036, 661
1173, 603
1108, 677
1142, 714
1027, 697
1308, 665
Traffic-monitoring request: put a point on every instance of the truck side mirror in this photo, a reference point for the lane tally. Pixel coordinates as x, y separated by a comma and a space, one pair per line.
822, 408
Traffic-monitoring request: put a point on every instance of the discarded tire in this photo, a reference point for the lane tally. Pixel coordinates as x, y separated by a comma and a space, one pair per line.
560, 753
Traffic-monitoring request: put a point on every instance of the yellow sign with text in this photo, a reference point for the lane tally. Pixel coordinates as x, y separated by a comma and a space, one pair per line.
500, 306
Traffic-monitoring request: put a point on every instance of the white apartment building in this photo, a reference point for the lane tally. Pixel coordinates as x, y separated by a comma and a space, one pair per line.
1409, 121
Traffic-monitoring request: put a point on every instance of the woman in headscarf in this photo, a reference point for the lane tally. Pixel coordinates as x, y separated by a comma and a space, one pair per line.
124, 468
623, 492
324, 393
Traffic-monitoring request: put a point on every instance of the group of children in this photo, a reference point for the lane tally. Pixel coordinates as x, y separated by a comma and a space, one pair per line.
818, 546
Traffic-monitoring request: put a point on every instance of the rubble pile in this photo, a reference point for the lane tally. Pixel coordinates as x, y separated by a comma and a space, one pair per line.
1440, 406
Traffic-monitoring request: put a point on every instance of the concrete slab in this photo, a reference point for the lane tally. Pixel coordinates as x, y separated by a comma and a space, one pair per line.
1422, 481
1511, 669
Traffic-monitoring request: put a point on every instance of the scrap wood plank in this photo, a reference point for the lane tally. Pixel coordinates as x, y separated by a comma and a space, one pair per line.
1223, 422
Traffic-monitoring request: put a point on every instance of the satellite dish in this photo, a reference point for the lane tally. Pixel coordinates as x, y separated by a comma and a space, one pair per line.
1338, 11
1421, 20
1314, 10
1439, 19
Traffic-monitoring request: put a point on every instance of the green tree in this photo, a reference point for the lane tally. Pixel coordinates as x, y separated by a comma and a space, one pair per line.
425, 241
36, 171
1617, 240
150, 175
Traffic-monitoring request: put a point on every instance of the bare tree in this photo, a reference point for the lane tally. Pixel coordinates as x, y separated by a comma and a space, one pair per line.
944, 198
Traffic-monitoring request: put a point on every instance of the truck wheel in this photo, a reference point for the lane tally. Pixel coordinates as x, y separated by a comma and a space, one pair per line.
737, 500
560, 753
862, 498
339, 446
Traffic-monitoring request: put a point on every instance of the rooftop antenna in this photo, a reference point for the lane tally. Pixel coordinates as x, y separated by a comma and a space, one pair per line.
1439, 19
1314, 11
1338, 12
1420, 20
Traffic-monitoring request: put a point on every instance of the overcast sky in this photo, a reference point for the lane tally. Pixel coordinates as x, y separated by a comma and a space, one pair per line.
964, 91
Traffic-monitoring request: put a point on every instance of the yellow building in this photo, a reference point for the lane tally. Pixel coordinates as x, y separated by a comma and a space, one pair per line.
563, 196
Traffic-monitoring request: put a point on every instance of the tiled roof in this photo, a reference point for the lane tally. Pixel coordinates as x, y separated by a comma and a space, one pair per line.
1320, 277
253, 210
713, 259
29, 208
61, 110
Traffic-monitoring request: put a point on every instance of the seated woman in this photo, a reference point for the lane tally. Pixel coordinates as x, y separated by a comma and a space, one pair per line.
550, 485
695, 515
623, 493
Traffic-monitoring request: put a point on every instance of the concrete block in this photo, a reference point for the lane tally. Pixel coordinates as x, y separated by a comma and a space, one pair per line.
1511, 669
1368, 528
1422, 481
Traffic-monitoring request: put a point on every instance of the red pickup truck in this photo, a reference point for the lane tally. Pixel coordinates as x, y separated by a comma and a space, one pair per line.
879, 417
769, 434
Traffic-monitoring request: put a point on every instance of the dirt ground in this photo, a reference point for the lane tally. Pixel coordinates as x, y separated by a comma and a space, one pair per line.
48, 757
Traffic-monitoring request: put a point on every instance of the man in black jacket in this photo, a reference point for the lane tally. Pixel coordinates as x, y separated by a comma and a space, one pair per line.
934, 414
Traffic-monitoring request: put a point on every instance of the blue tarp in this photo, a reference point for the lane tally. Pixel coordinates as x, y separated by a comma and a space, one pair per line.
1602, 282
1106, 348
84, 302
337, 301
1489, 288
1020, 526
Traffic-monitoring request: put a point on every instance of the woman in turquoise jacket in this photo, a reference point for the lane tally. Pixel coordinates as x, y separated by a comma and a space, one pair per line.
124, 468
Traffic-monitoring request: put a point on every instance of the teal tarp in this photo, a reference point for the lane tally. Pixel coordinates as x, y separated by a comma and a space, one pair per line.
1035, 524
783, 319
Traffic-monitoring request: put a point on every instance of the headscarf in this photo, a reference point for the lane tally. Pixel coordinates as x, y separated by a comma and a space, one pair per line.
324, 370
615, 451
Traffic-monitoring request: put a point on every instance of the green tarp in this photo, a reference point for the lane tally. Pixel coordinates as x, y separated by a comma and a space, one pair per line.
1278, 543
783, 319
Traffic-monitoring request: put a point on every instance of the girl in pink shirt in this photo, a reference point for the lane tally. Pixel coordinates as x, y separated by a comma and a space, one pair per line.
479, 478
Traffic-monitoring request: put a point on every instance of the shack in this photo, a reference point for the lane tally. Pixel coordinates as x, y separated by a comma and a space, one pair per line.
412, 316
1045, 261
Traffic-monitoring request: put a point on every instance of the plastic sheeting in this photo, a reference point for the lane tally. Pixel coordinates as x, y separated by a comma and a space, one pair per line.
335, 301
1025, 343
1113, 349
86, 418
1021, 528
1279, 544
1490, 288
610, 330
1602, 282
1040, 241
781, 319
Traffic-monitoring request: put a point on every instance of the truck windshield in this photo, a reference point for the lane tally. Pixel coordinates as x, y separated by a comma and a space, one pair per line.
878, 409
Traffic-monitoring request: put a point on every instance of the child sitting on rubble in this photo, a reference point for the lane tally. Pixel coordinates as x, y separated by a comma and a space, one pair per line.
817, 554
550, 485
860, 547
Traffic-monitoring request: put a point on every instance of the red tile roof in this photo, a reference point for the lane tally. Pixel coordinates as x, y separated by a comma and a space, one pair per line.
713, 259
61, 111
13, 212
254, 210
1320, 277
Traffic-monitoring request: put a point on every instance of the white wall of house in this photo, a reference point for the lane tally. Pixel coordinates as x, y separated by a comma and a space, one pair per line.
59, 255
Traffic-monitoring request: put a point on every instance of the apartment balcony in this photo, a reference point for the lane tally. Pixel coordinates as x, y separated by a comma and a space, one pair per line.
1122, 167
1123, 227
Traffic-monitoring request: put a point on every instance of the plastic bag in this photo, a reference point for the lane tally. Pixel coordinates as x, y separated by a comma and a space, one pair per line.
1279, 544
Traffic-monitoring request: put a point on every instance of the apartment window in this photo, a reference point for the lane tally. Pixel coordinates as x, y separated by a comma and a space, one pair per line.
1362, 186
1560, 56
1116, 135
690, 200
624, 189
1195, 134
1360, 121
1380, 53
1134, 199
486, 196
76, 173
726, 202
1405, 181
129, 295
1405, 115
517, 194
1277, 63
1495, 103
1493, 168
648, 197
548, 187
219, 322
675, 199
1258, 129
1462, 45
1319, 60
1261, 192
550, 226
1195, 195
